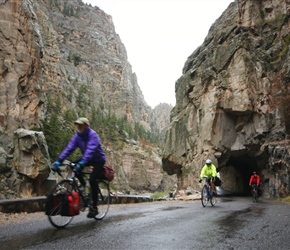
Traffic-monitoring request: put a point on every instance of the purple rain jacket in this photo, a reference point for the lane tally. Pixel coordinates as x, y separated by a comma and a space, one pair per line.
90, 145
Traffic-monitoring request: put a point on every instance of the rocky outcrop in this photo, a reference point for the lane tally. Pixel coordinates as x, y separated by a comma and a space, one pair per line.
21, 52
160, 119
139, 170
87, 62
66, 54
69, 51
25, 170
30, 156
232, 101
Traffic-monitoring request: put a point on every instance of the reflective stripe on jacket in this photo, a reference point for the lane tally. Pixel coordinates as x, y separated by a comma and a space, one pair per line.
90, 145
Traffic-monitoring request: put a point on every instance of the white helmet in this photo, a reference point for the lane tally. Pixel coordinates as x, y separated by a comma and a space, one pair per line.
208, 161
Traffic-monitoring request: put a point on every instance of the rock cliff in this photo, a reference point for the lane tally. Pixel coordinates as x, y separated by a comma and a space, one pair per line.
233, 103
67, 53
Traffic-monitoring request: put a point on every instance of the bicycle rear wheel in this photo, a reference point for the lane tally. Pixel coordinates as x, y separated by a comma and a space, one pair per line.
104, 200
204, 199
54, 215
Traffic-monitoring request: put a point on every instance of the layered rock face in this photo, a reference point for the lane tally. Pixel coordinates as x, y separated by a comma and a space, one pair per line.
21, 52
233, 103
68, 53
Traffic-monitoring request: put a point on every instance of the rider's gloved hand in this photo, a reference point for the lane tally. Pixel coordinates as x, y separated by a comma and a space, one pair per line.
200, 180
55, 166
80, 165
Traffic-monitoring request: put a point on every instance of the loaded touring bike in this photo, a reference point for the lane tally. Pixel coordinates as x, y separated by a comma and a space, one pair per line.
207, 194
68, 198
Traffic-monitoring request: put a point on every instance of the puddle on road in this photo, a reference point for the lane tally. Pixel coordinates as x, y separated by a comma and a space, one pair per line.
225, 199
236, 220
171, 208
231, 223
118, 218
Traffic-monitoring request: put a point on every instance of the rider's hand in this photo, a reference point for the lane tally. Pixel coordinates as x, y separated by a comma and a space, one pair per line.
55, 166
80, 165
200, 181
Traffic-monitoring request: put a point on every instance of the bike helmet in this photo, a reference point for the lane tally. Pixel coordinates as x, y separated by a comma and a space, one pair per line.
254, 172
208, 161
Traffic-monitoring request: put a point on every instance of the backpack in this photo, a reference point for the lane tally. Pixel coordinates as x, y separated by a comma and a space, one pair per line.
108, 173
65, 204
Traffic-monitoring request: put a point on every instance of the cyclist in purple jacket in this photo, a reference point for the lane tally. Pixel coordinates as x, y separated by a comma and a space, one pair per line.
88, 141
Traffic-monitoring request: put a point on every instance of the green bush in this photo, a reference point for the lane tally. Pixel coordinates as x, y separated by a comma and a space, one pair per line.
159, 195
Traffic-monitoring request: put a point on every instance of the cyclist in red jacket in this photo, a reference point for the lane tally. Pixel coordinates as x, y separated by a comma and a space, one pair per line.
255, 180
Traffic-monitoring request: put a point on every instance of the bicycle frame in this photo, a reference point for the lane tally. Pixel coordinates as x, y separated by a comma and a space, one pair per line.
70, 184
75, 184
206, 193
208, 187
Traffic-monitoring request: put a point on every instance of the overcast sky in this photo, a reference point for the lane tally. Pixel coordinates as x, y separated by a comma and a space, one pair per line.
159, 35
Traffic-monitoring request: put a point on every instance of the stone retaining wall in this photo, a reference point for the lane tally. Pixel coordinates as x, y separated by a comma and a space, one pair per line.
36, 204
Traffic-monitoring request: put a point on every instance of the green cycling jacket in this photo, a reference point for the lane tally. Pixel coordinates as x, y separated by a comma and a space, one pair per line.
209, 171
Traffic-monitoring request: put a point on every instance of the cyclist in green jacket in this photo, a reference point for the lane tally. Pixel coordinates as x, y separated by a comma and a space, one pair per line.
209, 170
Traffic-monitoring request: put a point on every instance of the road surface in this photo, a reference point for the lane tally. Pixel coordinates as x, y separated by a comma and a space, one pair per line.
233, 223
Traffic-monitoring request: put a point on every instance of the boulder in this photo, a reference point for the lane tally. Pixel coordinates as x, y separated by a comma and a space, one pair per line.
31, 160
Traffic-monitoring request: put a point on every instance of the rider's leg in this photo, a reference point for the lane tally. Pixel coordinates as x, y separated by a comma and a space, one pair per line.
97, 170
81, 179
212, 186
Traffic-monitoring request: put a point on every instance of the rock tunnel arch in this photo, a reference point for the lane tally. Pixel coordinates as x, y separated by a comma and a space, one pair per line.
236, 173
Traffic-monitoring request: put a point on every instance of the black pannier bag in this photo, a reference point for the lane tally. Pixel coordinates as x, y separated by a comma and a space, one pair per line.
217, 182
53, 204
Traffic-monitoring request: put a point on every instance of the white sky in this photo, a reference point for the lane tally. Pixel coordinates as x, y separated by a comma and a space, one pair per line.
159, 36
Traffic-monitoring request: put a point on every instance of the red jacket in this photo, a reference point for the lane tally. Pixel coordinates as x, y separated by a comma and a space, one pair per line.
255, 180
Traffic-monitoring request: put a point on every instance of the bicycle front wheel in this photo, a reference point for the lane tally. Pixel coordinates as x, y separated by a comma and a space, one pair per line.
213, 200
104, 200
54, 214
204, 198
255, 196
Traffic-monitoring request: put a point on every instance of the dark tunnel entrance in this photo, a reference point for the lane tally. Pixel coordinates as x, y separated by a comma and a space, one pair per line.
236, 174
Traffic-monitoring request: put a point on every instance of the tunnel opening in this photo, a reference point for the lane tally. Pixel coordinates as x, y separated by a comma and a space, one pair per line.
236, 174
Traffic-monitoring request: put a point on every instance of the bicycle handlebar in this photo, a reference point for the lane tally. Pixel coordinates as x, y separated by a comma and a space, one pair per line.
72, 166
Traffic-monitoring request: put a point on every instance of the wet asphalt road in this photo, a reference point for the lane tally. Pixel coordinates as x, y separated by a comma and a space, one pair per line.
234, 223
